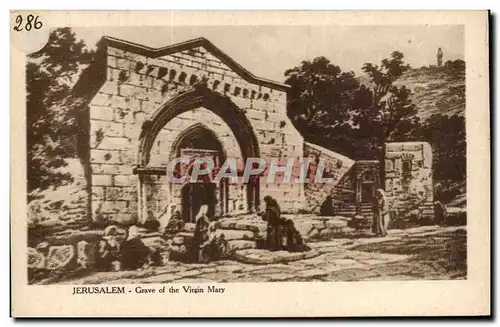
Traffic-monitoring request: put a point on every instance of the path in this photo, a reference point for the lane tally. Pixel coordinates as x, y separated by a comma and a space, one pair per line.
429, 252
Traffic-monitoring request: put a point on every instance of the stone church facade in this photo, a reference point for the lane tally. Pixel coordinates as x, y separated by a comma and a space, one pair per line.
147, 106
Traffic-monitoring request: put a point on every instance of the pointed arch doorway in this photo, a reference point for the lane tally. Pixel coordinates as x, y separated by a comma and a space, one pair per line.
231, 114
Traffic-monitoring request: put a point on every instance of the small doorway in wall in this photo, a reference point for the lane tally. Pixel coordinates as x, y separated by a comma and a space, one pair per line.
367, 192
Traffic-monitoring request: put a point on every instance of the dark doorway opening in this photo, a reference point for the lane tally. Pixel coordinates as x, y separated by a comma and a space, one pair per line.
193, 196
367, 192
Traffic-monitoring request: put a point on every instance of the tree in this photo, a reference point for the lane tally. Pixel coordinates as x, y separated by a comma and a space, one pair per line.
447, 136
391, 106
319, 100
333, 109
50, 125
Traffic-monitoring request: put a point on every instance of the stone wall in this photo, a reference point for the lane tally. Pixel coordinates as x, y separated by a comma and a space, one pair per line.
408, 178
336, 167
63, 207
137, 86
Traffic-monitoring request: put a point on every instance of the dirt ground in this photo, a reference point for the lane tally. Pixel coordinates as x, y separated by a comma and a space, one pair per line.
429, 253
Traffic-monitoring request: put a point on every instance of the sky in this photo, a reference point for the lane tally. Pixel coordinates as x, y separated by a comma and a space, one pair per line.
267, 51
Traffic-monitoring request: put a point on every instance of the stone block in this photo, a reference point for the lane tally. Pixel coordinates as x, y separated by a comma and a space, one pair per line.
326, 232
102, 180
336, 223
125, 170
111, 61
100, 100
241, 244
319, 224
115, 52
142, 93
136, 57
114, 193
117, 101
155, 242
97, 192
123, 64
127, 90
122, 180
107, 128
114, 206
122, 115
109, 88
114, 143
135, 79
313, 233
104, 156
123, 218
131, 195
105, 169
236, 234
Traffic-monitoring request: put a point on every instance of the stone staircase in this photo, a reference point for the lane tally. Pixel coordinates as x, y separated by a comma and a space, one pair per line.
346, 210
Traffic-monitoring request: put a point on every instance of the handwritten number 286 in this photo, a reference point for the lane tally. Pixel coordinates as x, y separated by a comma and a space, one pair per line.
31, 22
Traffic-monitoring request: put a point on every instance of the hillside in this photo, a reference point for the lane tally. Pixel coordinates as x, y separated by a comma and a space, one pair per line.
434, 90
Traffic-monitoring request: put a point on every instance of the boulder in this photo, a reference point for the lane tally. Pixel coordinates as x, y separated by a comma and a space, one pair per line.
241, 244
236, 234
60, 257
36, 260
85, 254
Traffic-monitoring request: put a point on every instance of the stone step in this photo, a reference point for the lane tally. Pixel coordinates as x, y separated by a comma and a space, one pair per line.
265, 257
337, 223
241, 226
231, 234
346, 213
241, 244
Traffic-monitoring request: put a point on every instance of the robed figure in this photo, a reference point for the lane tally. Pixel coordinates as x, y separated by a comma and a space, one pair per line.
380, 214
272, 215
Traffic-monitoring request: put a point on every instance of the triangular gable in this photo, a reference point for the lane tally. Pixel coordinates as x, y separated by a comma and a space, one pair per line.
195, 45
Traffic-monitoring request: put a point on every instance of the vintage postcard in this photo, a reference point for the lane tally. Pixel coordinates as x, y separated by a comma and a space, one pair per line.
250, 164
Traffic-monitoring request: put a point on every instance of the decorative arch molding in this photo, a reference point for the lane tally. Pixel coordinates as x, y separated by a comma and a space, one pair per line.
190, 132
199, 96
195, 97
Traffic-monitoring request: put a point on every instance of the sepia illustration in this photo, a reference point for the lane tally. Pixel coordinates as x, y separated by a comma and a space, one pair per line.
196, 154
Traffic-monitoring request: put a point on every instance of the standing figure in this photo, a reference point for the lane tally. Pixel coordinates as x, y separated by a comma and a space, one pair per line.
380, 214
272, 216
440, 57
201, 233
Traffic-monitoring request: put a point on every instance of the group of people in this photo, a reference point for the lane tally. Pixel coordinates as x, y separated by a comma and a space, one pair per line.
208, 244
124, 252
281, 232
